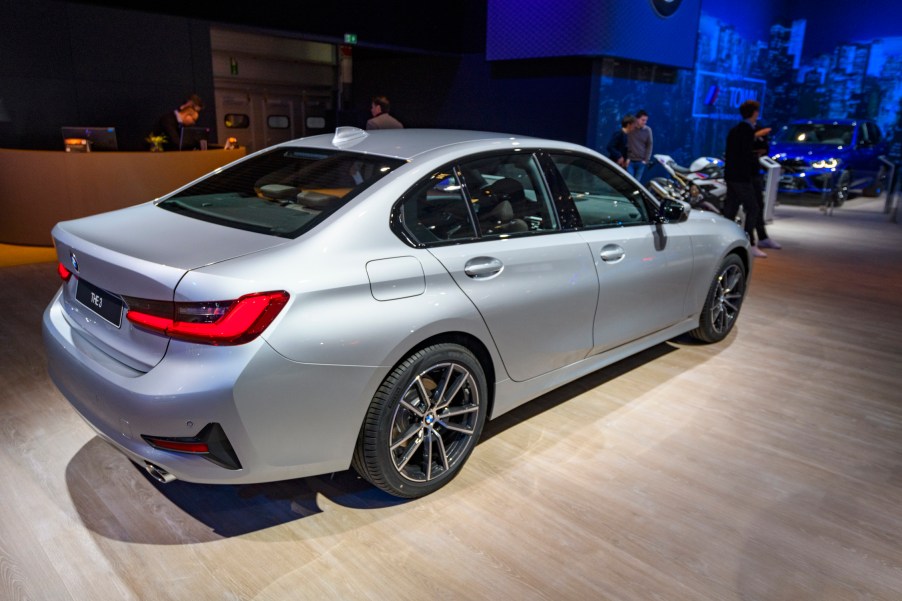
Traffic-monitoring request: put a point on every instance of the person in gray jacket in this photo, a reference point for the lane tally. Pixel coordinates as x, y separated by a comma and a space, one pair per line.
380, 108
639, 145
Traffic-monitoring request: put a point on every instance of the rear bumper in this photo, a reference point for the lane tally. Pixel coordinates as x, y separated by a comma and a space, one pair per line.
283, 419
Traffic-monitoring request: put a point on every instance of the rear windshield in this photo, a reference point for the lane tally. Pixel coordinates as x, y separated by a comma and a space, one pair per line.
283, 192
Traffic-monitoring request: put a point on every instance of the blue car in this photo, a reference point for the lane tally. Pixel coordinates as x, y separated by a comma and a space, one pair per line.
830, 157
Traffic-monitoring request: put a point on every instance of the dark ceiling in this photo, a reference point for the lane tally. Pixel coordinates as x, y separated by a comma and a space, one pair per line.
434, 26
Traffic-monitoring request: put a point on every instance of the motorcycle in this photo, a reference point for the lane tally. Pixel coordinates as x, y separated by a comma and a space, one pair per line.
701, 184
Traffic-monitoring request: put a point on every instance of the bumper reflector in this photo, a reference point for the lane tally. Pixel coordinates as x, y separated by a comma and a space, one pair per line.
210, 443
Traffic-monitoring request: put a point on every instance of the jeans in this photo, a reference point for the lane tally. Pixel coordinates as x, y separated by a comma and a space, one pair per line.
636, 169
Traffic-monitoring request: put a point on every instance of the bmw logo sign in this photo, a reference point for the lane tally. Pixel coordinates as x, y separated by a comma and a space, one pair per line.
73, 259
665, 8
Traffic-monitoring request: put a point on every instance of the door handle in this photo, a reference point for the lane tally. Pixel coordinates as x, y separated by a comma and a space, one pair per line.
483, 267
611, 253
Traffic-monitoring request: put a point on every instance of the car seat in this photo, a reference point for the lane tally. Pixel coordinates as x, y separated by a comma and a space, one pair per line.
502, 206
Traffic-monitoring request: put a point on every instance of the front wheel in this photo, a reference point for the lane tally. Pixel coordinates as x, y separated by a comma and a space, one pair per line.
423, 422
723, 301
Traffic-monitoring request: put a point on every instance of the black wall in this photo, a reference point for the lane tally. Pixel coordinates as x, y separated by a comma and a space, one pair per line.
548, 98
87, 64
83, 65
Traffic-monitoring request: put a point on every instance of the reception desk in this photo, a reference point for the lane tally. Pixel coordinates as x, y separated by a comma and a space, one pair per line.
38, 188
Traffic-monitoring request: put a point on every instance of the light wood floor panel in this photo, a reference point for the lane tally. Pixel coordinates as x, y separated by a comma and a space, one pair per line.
768, 467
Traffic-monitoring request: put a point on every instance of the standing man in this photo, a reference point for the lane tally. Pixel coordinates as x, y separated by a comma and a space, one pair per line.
379, 109
639, 146
171, 124
740, 171
618, 144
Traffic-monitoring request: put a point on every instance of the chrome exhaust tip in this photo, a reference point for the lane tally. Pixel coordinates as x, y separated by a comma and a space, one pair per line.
158, 473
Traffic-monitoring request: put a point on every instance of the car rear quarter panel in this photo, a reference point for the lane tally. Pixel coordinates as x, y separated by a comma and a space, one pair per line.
333, 316
284, 419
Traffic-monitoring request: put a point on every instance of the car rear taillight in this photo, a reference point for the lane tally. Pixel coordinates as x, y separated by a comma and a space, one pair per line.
63, 272
216, 322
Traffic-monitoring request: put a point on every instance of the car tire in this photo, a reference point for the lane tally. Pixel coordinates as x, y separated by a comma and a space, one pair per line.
423, 421
723, 302
841, 189
879, 184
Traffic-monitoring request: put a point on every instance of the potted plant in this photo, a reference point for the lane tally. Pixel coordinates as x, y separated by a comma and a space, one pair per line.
156, 142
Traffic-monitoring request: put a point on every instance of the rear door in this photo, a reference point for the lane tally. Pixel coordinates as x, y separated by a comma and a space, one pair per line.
490, 223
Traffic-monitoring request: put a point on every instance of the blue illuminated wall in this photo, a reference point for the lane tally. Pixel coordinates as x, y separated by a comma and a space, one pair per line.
800, 59
656, 31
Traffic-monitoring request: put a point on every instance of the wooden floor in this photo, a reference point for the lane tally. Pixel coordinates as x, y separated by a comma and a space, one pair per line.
768, 467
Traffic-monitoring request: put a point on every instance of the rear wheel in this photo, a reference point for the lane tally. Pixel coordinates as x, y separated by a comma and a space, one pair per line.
423, 422
879, 184
723, 301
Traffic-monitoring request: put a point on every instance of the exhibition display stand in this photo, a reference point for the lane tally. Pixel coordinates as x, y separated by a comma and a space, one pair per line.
43, 187
771, 184
891, 208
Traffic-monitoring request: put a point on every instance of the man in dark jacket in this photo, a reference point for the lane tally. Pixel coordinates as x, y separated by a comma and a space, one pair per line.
617, 145
172, 124
740, 170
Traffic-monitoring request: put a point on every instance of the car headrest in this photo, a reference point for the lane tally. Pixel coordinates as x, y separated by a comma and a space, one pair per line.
315, 200
505, 189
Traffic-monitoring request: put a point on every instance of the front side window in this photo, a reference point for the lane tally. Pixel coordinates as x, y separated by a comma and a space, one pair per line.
603, 197
874, 133
283, 192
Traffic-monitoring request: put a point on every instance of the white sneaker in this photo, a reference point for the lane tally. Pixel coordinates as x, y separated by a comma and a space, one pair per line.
768, 243
758, 254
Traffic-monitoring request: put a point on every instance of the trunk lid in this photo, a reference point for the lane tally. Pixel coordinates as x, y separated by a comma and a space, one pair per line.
143, 252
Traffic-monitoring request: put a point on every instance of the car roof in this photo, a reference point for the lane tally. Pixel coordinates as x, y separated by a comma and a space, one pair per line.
408, 143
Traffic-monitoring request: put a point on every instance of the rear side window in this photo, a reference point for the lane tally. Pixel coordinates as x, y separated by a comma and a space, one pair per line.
492, 196
436, 210
283, 192
508, 194
603, 196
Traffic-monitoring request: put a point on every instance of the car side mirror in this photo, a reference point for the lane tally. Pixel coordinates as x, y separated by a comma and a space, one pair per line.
673, 211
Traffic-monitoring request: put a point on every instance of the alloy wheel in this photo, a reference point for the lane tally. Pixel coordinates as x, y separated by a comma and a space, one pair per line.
434, 424
729, 292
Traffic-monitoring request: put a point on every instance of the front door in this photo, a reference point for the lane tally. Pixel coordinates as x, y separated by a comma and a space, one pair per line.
643, 269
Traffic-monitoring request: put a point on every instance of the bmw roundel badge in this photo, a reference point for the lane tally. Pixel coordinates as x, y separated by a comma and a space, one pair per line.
73, 259
666, 8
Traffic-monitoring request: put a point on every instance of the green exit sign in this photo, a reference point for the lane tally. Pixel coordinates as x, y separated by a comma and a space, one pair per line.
350, 38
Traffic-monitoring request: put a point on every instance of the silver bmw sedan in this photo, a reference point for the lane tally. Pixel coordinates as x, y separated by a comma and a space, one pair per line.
369, 299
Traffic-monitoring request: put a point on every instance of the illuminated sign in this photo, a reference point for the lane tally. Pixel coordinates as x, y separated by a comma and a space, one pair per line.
718, 95
659, 32
665, 8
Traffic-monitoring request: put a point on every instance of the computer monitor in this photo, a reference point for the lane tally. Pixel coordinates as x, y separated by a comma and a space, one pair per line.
99, 138
193, 138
